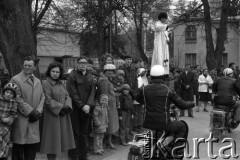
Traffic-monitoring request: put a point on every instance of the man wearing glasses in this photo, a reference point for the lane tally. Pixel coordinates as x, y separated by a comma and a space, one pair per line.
80, 86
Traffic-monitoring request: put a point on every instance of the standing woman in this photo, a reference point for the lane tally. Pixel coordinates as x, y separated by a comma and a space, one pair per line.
205, 81
105, 59
106, 87
161, 40
57, 135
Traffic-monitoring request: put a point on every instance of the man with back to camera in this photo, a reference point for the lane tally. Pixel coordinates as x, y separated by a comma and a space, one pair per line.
157, 97
30, 99
226, 88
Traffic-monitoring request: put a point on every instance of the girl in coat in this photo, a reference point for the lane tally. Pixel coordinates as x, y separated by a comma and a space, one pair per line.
100, 123
57, 135
8, 112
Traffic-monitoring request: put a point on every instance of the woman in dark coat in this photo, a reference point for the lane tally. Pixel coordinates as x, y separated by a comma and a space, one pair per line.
57, 133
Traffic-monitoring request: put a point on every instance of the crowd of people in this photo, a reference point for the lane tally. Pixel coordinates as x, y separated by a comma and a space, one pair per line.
94, 101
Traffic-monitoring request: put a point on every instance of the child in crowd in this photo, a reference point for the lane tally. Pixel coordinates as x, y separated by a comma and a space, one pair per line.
125, 114
100, 123
8, 112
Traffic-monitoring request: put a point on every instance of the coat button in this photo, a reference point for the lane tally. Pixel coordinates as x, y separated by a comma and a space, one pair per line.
62, 99
61, 90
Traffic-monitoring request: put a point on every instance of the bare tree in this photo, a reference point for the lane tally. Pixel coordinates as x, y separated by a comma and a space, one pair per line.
18, 27
140, 11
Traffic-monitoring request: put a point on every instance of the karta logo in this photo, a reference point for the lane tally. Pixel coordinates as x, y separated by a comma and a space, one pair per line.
156, 145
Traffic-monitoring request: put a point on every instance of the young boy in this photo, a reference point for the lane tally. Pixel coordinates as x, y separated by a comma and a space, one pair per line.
125, 114
100, 123
8, 111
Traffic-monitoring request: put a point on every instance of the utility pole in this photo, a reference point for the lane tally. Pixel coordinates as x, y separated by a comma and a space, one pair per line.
110, 27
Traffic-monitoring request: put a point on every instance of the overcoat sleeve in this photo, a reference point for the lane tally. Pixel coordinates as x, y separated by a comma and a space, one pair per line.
179, 102
91, 98
23, 107
13, 111
73, 93
51, 104
68, 100
41, 104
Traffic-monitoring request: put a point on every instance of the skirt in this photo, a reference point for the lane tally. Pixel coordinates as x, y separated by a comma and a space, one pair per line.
204, 96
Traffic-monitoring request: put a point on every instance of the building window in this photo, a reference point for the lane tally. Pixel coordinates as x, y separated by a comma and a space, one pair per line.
225, 59
191, 34
190, 58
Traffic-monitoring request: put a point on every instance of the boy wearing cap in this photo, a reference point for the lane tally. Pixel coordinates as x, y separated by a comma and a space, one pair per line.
8, 112
125, 114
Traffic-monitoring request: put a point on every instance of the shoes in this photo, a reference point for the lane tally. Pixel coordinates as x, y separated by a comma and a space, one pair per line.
205, 110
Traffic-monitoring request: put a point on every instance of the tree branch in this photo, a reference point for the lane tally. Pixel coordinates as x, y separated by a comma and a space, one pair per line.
41, 14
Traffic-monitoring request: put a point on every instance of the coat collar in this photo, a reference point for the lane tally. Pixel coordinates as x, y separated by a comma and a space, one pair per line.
103, 76
51, 81
157, 80
26, 78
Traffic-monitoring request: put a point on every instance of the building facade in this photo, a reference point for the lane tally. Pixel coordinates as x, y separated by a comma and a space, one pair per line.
57, 45
190, 45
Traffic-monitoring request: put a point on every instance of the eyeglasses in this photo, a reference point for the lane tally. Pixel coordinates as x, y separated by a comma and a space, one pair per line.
82, 62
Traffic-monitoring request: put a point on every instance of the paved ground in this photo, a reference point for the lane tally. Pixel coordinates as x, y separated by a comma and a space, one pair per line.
199, 128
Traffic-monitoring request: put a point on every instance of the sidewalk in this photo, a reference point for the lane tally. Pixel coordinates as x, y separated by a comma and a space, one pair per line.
110, 154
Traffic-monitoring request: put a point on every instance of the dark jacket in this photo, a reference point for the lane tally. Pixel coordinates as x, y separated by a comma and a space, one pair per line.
81, 89
158, 98
126, 104
226, 88
184, 80
130, 77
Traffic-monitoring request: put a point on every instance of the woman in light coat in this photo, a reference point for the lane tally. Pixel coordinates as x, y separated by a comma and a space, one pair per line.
106, 87
205, 82
57, 135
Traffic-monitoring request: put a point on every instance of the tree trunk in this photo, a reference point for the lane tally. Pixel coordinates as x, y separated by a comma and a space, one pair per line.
222, 31
210, 58
140, 43
214, 56
138, 20
16, 37
100, 30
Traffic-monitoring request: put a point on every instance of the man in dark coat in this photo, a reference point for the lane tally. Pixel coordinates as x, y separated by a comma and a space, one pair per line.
131, 79
130, 73
80, 86
226, 88
157, 98
186, 81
